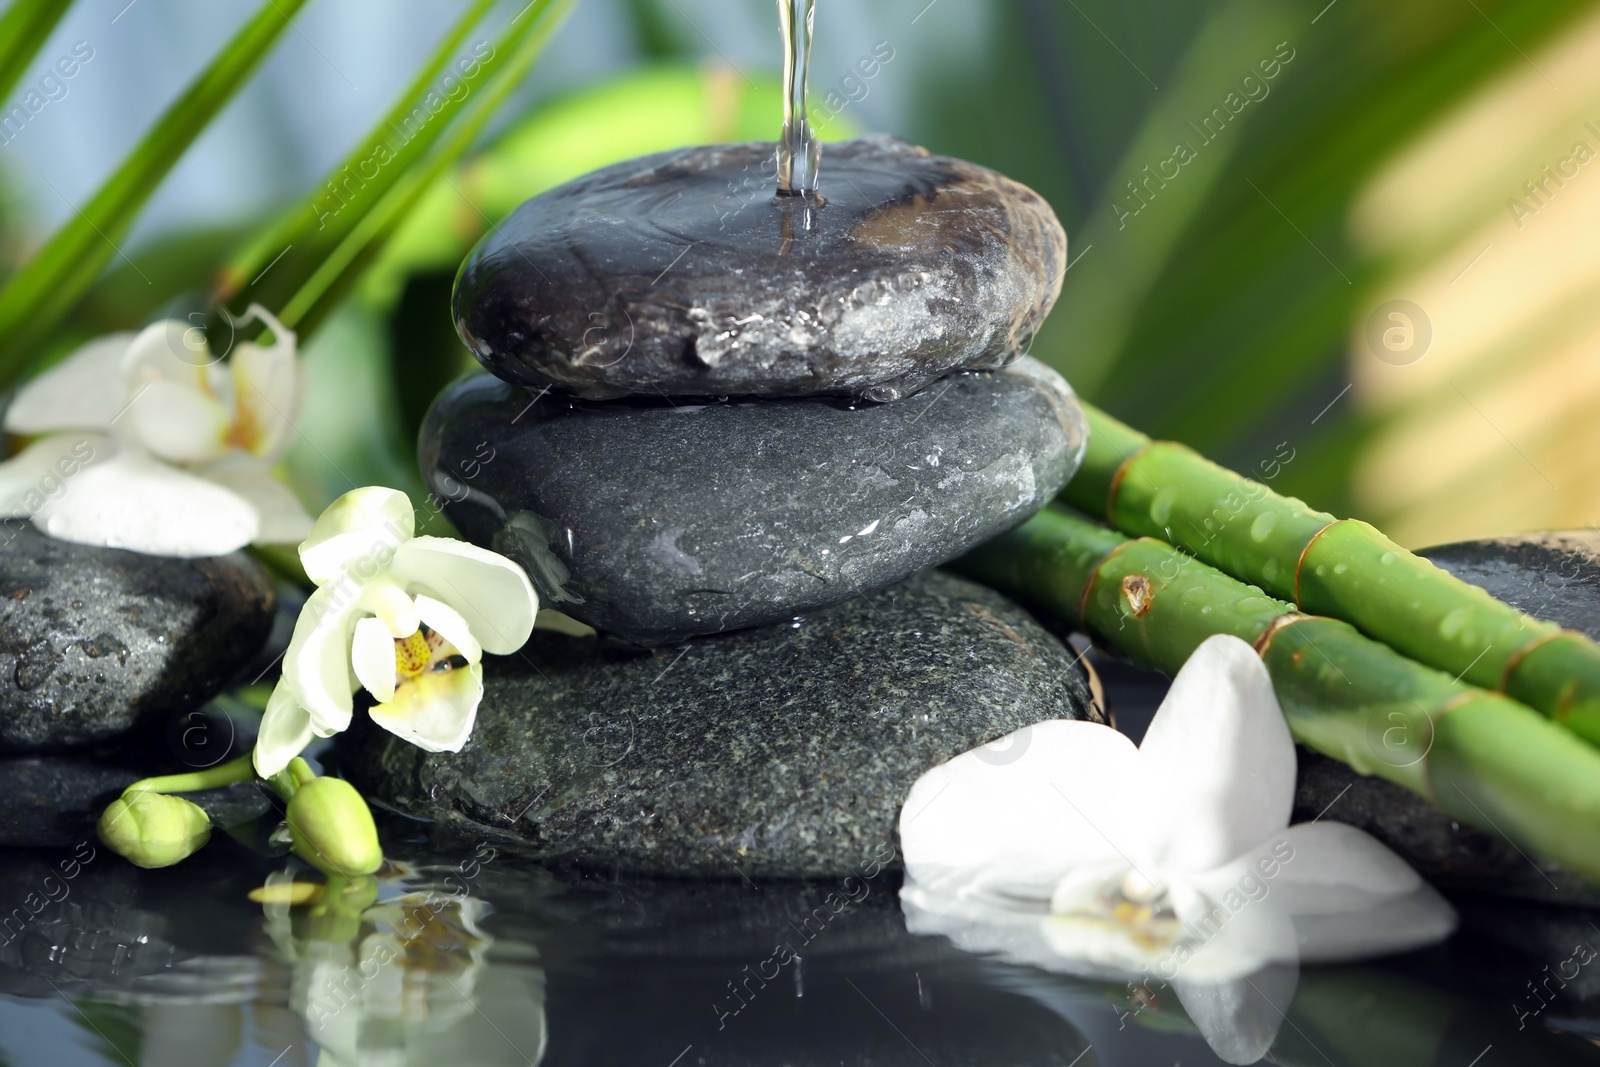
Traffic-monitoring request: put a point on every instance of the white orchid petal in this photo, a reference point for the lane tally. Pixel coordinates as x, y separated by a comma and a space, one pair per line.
1351, 897
448, 624
41, 472
85, 391
372, 656
178, 423
1218, 759
283, 518
135, 502
1230, 932
172, 351
1023, 811
435, 711
317, 662
1383, 928
285, 732
491, 592
266, 395
392, 605
1240, 1019
1334, 867
358, 534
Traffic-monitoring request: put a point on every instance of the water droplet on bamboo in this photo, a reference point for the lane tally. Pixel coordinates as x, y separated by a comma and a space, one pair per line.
1161, 505
1261, 529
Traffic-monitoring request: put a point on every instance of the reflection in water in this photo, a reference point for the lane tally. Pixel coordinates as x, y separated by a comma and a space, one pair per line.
400, 976
179, 968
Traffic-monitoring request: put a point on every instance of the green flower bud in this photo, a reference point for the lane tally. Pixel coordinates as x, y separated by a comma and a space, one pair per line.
332, 827
153, 829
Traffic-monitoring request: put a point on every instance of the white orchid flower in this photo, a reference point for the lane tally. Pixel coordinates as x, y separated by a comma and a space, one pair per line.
150, 442
1065, 846
407, 618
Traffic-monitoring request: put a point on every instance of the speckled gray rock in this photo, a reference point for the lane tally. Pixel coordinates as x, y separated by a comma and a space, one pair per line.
785, 751
682, 273
658, 521
94, 640
1552, 576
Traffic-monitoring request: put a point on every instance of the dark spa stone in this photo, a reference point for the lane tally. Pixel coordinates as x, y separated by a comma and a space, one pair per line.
683, 274
783, 752
660, 521
95, 640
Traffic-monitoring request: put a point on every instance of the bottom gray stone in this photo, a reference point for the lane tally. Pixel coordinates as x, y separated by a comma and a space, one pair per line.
784, 751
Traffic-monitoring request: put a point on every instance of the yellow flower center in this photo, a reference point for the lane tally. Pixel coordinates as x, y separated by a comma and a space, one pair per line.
1135, 908
411, 656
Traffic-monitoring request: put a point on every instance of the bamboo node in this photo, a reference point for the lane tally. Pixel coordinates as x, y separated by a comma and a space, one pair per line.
1288, 618
1116, 481
1514, 660
1301, 563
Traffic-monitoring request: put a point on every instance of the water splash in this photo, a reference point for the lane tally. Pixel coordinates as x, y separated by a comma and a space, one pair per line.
799, 152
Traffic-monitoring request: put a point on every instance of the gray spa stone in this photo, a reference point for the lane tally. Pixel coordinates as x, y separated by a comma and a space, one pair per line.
785, 751
658, 521
683, 274
93, 641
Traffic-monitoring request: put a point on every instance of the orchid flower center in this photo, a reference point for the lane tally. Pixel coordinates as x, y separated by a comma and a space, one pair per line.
1134, 909
422, 652
246, 431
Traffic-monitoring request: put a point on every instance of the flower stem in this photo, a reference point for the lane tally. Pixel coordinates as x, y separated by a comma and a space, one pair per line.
236, 770
287, 782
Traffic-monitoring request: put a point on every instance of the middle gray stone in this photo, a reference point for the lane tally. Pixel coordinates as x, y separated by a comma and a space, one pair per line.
658, 521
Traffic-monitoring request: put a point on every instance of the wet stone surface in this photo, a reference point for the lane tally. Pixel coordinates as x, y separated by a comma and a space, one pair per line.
54, 801
659, 521
785, 751
1553, 576
683, 274
95, 640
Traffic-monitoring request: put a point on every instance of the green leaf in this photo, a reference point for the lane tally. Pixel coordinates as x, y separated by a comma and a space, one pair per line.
40, 295
523, 42
23, 30
274, 265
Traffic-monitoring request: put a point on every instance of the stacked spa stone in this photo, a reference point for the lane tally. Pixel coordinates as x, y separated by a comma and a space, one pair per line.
716, 411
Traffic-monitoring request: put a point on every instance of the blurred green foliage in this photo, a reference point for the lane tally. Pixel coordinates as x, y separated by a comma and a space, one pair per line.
1233, 335
1219, 314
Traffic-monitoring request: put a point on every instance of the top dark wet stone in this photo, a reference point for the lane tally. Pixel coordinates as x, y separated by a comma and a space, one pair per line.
683, 274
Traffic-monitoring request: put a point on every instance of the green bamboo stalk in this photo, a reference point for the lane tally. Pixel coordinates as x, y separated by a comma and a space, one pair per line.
1480, 757
42, 293
333, 277
1339, 567
306, 234
23, 30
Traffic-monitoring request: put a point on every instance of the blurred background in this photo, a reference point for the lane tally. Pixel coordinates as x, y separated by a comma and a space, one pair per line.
1349, 248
